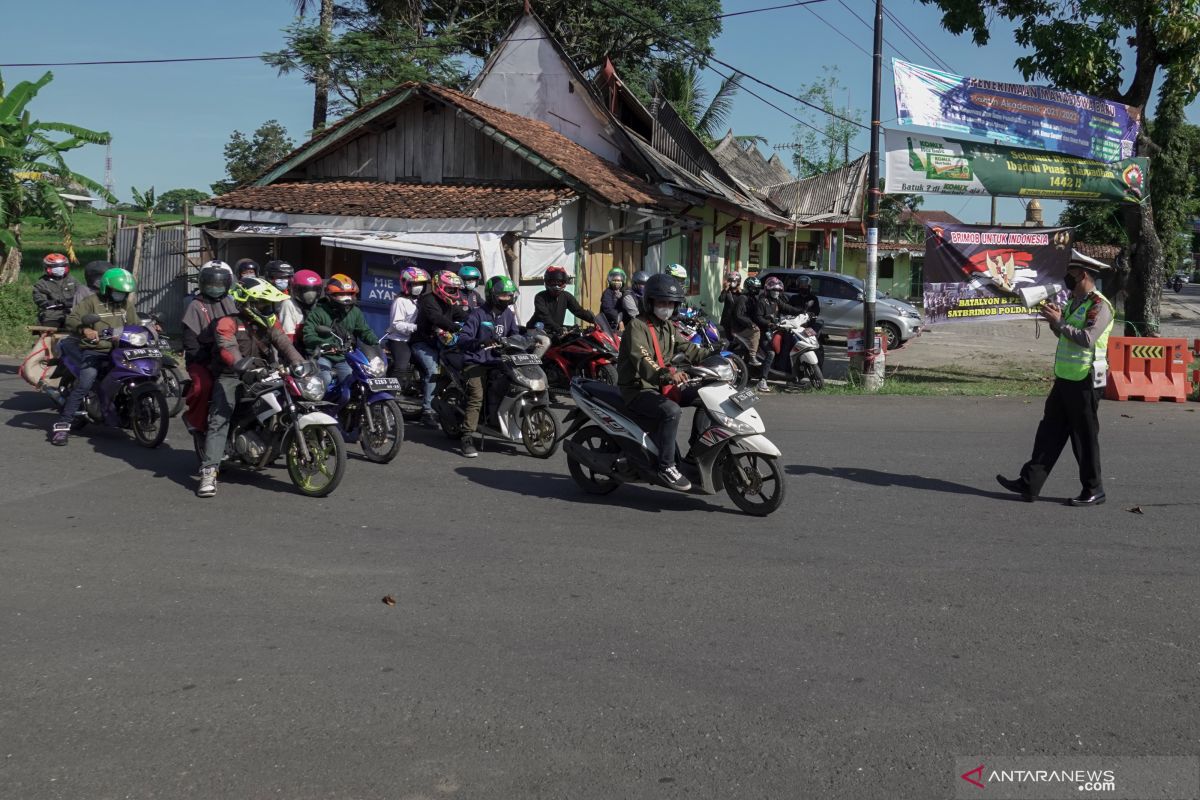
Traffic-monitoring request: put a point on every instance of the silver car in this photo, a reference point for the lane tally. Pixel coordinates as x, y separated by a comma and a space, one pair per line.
842, 305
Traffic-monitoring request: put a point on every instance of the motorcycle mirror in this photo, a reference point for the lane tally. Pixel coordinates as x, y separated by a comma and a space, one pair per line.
324, 330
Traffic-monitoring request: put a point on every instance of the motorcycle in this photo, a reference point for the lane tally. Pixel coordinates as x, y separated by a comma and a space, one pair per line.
699, 330
367, 411
129, 394
729, 451
579, 353
804, 356
173, 377
523, 415
1177, 284
277, 414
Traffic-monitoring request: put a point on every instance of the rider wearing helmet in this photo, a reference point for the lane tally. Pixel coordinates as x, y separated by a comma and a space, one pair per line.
111, 307
440, 314
610, 301
245, 268
252, 333
413, 282
280, 274
93, 271
210, 304
631, 303
472, 291
54, 292
732, 301
485, 326
550, 306
306, 291
339, 311
679, 272
644, 371
764, 311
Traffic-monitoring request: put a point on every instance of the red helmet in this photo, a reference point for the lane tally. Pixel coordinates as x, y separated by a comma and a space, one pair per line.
557, 277
306, 286
57, 265
342, 289
773, 284
447, 286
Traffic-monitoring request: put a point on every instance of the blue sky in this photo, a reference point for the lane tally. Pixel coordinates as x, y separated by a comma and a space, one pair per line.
170, 122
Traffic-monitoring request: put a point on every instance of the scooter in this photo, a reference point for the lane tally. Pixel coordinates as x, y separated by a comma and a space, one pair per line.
806, 346
365, 403
580, 353
606, 446
128, 395
523, 415
698, 329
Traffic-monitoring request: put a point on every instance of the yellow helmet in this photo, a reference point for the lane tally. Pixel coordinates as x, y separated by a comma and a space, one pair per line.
256, 298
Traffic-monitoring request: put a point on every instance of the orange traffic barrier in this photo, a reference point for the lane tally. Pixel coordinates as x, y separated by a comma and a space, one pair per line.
1147, 369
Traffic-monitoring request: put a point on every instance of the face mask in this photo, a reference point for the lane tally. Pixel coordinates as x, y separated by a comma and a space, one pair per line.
775, 294
58, 272
1071, 281
346, 300
469, 285
664, 312
118, 297
215, 292
309, 297
617, 285
501, 304
282, 284
554, 289
416, 290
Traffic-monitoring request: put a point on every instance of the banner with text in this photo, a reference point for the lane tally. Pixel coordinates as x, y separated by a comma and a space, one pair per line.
975, 272
920, 163
1019, 114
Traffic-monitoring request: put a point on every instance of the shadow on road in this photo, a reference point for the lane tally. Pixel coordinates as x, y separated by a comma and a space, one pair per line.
874, 477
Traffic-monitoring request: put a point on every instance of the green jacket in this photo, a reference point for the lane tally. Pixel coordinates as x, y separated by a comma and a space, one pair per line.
637, 363
348, 324
112, 315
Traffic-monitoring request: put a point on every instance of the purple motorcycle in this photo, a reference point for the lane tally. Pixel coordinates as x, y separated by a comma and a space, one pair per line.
129, 394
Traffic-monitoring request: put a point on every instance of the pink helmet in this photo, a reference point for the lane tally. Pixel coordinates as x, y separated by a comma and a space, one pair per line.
447, 286
306, 286
411, 275
773, 284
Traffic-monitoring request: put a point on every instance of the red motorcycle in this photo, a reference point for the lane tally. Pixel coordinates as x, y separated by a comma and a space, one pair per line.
580, 353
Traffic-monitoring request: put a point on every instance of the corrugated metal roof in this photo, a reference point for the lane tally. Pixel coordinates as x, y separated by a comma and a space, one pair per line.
746, 164
834, 197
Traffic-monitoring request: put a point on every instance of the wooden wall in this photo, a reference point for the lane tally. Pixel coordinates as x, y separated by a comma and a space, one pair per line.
424, 142
601, 257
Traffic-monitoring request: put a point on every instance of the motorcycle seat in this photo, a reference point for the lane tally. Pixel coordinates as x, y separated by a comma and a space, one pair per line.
604, 393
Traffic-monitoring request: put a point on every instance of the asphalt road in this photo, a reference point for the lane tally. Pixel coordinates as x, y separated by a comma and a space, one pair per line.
897, 612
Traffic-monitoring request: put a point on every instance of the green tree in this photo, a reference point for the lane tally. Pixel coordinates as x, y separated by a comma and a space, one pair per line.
1095, 223
247, 157
172, 202
891, 208
679, 84
1119, 50
828, 149
320, 62
146, 202
33, 170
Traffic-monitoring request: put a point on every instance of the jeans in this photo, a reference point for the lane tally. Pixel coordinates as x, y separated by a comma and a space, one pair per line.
91, 362
342, 369
663, 414
427, 357
220, 411
401, 355
475, 377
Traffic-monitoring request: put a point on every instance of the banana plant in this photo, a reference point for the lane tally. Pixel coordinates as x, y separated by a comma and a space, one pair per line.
33, 170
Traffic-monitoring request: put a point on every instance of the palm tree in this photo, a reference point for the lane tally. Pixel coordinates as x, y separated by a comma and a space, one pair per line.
321, 76
33, 171
679, 85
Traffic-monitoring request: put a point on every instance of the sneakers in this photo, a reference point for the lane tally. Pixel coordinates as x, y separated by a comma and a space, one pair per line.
60, 433
468, 446
208, 482
762, 387
672, 478
429, 417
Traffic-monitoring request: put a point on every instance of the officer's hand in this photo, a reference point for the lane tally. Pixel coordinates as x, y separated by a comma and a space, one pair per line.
90, 334
1051, 312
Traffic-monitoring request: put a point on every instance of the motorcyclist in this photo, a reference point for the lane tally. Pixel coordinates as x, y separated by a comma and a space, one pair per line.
610, 301
306, 291
413, 282
93, 271
54, 292
239, 339
484, 327
679, 272
280, 274
765, 311
210, 304
732, 301
645, 375
550, 307
631, 303
472, 292
339, 311
742, 323
808, 303
440, 314
111, 307
245, 268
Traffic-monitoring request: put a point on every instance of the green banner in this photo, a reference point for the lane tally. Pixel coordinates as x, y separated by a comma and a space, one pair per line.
920, 163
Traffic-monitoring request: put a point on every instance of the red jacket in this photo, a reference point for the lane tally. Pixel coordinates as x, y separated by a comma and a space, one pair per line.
235, 339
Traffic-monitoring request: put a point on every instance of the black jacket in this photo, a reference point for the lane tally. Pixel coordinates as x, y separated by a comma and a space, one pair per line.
610, 305
434, 314
59, 292
197, 326
808, 304
765, 311
551, 310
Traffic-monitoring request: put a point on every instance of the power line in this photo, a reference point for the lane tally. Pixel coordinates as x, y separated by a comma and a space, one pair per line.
869, 26
841, 33
912, 37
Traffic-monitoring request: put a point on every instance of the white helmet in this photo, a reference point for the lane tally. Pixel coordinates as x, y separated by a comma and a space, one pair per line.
217, 264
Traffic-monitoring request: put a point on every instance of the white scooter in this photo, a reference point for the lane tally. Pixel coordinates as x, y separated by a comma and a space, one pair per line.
606, 447
803, 355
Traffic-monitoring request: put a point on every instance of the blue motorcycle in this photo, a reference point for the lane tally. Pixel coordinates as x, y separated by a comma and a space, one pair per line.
699, 330
366, 407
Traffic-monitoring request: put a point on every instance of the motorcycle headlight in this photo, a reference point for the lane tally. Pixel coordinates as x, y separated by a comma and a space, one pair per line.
376, 367
724, 371
312, 388
735, 425
137, 339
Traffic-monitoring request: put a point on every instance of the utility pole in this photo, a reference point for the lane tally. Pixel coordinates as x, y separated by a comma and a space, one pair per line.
870, 380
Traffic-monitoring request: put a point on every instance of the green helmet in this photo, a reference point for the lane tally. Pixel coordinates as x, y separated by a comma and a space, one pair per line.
116, 280
469, 273
500, 284
616, 272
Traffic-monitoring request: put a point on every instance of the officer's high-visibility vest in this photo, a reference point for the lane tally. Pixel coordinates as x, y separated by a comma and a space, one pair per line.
1072, 362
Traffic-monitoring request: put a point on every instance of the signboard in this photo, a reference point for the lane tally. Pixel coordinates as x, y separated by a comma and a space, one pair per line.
1023, 115
978, 273
381, 283
920, 163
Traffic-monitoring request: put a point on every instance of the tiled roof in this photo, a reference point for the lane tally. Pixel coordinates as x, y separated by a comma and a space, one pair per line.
397, 200
859, 244
921, 216
1101, 252
833, 197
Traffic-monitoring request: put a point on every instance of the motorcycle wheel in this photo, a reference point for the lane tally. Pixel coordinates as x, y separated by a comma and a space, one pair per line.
813, 371
173, 388
595, 439
607, 373
381, 442
539, 432
756, 493
322, 473
149, 417
741, 373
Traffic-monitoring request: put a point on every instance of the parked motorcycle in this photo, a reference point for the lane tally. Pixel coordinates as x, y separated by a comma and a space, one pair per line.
583, 353
522, 415
700, 330
277, 414
173, 377
366, 405
606, 447
129, 394
806, 345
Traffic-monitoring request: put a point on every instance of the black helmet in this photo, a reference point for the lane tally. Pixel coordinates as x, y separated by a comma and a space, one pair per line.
245, 265
664, 287
752, 285
279, 269
215, 281
94, 270
640, 278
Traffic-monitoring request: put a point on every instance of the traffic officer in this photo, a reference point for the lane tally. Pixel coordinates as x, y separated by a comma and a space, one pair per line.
1080, 373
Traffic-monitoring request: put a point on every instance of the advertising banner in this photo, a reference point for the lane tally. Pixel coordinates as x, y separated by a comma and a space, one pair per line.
1038, 117
920, 163
976, 272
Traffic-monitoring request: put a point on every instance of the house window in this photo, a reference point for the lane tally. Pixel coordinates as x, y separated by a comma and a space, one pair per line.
887, 267
693, 258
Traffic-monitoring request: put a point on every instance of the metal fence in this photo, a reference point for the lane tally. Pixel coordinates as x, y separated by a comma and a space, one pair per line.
167, 256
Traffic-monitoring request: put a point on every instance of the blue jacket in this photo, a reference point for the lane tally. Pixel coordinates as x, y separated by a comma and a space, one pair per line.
482, 327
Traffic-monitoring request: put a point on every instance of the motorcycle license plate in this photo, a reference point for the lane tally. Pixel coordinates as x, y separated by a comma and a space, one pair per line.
744, 399
524, 359
384, 384
142, 352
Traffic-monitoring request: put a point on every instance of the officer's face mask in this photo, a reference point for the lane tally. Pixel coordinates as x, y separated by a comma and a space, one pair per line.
664, 312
